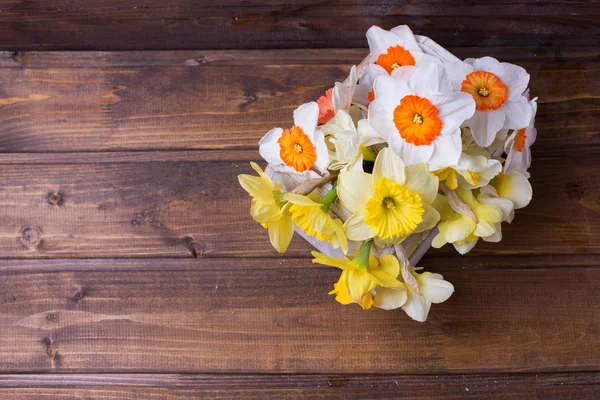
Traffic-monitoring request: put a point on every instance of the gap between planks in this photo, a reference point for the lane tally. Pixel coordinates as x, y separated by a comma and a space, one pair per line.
439, 264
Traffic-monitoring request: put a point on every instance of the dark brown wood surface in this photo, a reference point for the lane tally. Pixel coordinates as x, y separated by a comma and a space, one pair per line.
257, 24
130, 267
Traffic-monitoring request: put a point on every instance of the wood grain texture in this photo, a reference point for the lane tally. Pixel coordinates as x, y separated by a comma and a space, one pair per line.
278, 318
197, 208
65, 102
187, 24
549, 386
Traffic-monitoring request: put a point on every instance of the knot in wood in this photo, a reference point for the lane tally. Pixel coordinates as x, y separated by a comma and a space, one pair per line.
52, 317
55, 199
31, 236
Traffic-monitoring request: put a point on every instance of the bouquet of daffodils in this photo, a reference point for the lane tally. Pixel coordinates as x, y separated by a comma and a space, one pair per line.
415, 149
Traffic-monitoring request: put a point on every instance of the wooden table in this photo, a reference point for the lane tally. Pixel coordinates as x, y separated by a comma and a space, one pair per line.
130, 266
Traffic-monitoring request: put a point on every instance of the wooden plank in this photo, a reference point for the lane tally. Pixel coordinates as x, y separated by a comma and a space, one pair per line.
64, 102
549, 386
186, 24
187, 208
281, 320
202, 58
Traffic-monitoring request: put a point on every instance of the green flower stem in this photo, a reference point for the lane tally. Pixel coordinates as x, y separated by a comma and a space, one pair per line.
362, 258
329, 198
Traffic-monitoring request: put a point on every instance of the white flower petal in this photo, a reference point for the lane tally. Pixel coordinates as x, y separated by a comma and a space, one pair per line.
354, 189
446, 151
517, 160
322, 161
434, 287
404, 72
389, 91
343, 92
457, 72
416, 306
389, 165
465, 247
269, 148
306, 117
453, 109
410, 153
518, 113
380, 40
488, 64
429, 79
515, 187
368, 135
485, 124
407, 37
389, 299
382, 122
515, 78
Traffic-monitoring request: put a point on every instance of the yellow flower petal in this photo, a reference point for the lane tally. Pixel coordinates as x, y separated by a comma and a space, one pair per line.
356, 228
354, 189
420, 180
264, 213
259, 188
281, 231
300, 200
357, 283
457, 229
389, 165
320, 258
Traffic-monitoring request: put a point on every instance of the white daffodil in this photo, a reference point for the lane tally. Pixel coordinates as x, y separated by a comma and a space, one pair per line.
391, 203
517, 146
497, 89
420, 117
514, 186
422, 289
338, 97
396, 48
349, 142
364, 93
300, 148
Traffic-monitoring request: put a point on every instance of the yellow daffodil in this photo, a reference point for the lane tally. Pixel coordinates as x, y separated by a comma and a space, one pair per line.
268, 209
475, 220
311, 214
471, 171
421, 290
361, 274
391, 203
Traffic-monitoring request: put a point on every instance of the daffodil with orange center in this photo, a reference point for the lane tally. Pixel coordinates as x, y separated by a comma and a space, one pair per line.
338, 98
300, 148
497, 89
364, 93
517, 146
396, 49
419, 116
